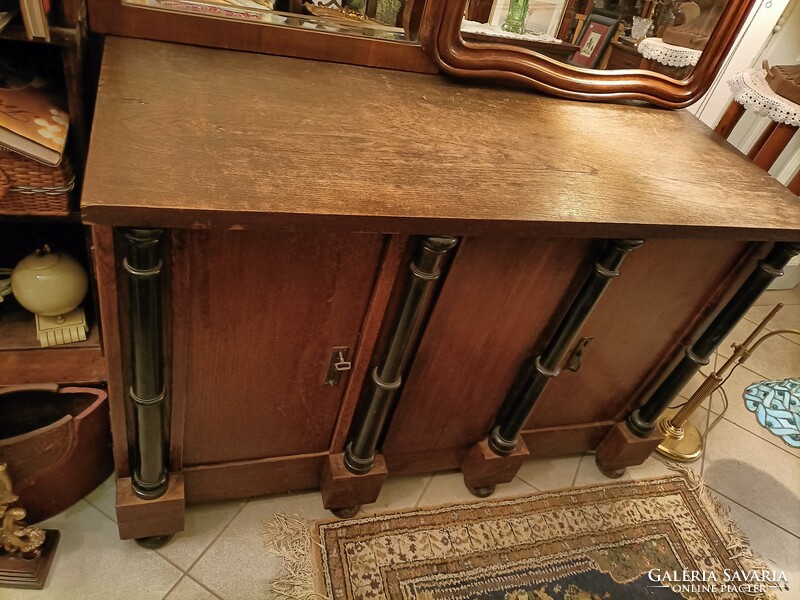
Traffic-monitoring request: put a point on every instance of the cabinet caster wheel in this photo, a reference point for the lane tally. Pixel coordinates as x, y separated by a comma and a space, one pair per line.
610, 473
483, 491
346, 513
154, 542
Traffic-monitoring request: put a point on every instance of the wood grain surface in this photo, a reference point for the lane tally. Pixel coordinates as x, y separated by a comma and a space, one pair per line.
244, 479
634, 328
105, 274
495, 303
193, 137
260, 322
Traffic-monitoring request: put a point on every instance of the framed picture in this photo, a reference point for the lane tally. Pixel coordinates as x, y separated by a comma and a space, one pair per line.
597, 33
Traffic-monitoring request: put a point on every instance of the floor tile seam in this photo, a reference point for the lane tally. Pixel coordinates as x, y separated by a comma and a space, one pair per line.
725, 418
577, 470
530, 485
205, 587
424, 489
101, 511
750, 510
216, 537
771, 443
521, 478
164, 558
785, 292
792, 338
753, 371
174, 585
155, 551
571, 485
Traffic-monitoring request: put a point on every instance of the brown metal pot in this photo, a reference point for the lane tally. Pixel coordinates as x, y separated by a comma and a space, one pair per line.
56, 443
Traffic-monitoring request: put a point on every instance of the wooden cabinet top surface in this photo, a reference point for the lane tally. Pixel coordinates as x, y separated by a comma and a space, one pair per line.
192, 137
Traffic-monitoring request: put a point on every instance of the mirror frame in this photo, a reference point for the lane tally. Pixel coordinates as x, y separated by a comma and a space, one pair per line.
440, 34
111, 17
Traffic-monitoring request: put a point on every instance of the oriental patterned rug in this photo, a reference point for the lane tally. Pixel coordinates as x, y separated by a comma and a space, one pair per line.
660, 539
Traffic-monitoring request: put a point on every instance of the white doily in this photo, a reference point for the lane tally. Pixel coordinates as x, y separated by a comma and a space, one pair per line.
667, 54
751, 90
486, 29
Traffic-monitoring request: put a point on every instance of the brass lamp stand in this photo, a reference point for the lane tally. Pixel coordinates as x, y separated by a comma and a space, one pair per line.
683, 441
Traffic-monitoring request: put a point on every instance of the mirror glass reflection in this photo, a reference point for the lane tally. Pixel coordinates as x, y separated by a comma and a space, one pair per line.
666, 36
383, 19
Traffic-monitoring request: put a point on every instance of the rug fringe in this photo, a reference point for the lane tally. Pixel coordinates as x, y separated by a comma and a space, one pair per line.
289, 537
735, 539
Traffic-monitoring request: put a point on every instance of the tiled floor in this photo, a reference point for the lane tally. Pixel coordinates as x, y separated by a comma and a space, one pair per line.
221, 553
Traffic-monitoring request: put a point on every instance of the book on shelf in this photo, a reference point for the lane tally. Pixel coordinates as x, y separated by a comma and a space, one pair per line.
5, 17
33, 121
34, 15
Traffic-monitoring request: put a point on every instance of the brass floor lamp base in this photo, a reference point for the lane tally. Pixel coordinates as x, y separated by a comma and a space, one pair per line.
684, 449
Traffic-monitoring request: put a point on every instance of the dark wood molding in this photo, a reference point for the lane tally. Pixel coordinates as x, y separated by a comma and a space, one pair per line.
441, 38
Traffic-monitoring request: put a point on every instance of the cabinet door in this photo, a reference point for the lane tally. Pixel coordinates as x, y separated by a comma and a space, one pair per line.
497, 299
261, 313
644, 316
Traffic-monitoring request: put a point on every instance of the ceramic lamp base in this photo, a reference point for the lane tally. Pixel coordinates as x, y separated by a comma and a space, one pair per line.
64, 329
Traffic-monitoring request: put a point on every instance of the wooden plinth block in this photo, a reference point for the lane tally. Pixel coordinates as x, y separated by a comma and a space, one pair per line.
29, 573
622, 448
138, 518
483, 468
343, 489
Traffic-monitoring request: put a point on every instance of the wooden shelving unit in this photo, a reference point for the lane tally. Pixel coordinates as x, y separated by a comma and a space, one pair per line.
68, 33
23, 360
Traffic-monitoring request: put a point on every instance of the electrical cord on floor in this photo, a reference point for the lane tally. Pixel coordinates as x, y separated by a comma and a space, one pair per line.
720, 415
682, 404
725, 401
5, 282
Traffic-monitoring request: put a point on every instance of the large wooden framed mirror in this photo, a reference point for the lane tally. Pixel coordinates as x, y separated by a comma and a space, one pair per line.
668, 50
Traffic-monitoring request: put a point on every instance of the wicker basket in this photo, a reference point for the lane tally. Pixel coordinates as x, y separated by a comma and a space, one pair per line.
28, 187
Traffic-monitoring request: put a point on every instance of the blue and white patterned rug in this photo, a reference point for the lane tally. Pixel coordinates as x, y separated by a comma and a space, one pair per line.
776, 405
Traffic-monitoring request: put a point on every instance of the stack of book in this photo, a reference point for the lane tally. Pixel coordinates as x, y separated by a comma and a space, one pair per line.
33, 120
35, 176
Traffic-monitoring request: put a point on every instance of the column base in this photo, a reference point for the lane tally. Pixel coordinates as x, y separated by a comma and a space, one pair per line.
622, 448
138, 518
343, 492
483, 469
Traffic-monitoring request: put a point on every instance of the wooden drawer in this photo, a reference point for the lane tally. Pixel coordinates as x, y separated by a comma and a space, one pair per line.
623, 57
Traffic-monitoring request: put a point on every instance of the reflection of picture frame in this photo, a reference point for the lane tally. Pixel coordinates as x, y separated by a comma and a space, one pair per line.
594, 39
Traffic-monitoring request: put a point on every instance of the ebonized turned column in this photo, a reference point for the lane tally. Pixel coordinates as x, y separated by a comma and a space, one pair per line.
516, 409
643, 420
147, 391
387, 377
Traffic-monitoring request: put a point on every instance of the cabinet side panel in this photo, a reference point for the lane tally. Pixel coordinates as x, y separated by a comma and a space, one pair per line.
499, 296
263, 315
